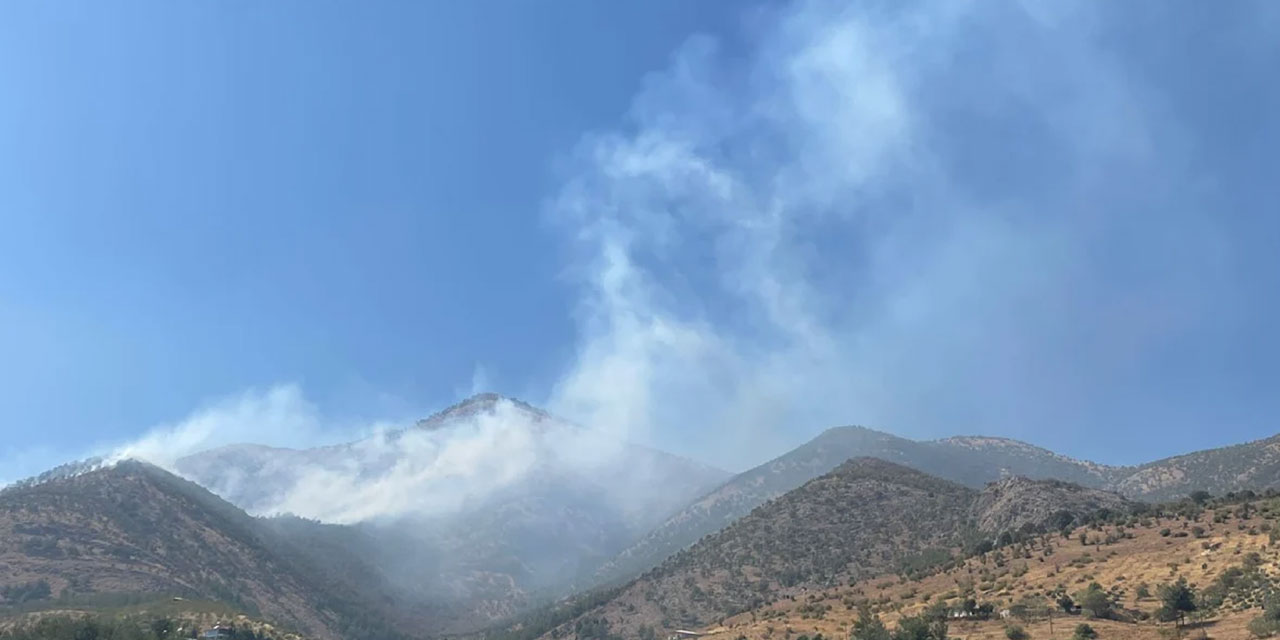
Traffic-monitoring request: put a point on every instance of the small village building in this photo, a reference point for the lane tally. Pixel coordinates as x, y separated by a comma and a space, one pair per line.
682, 634
218, 631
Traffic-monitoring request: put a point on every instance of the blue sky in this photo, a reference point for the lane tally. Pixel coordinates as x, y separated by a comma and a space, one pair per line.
202, 198
720, 227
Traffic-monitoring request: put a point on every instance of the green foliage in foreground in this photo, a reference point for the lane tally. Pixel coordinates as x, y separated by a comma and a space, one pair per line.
87, 628
930, 625
869, 627
1267, 624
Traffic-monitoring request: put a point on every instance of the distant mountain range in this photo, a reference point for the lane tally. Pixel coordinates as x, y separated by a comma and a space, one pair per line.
485, 510
972, 461
866, 517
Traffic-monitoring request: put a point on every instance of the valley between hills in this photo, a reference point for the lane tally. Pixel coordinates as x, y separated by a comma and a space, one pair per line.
970, 537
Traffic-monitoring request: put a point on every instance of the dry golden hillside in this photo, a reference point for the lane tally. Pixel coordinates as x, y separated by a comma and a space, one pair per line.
1128, 560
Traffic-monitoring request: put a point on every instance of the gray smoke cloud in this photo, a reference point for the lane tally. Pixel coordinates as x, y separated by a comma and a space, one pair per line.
929, 218
377, 470
457, 462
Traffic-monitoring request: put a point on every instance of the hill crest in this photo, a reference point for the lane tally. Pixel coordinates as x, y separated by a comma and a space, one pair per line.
132, 527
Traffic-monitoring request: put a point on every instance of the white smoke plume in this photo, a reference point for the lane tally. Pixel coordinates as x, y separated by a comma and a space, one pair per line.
441, 467
897, 214
932, 218
434, 470
280, 415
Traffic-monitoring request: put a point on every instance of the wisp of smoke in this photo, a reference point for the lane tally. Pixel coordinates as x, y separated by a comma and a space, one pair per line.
280, 415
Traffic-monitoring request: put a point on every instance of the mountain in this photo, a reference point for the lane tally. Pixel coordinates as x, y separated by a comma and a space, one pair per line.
983, 455
1018, 504
1251, 465
1222, 548
970, 461
867, 517
512, 441
475, 512
133, 528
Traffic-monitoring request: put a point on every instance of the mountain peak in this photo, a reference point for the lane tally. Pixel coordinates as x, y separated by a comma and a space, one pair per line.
480, 403
1019, 447
866, 468
992, 442
855, 429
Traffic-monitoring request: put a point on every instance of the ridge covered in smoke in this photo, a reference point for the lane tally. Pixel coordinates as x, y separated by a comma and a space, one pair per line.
66, 470
888, 214
447, 464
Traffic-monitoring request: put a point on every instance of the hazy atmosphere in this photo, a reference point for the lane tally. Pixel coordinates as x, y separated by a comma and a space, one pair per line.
718, 231
639, 320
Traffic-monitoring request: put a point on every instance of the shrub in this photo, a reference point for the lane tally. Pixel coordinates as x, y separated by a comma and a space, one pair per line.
1267, 624
1066, 603
27, 591
1264, 627
1094, 601
1015, 632
921, 627
1084, 632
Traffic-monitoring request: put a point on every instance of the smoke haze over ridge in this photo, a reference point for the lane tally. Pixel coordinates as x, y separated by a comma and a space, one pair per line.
999, 218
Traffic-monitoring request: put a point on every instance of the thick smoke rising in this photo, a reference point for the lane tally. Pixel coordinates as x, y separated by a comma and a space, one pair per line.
277, 416
932, 218
455, 463
443, 466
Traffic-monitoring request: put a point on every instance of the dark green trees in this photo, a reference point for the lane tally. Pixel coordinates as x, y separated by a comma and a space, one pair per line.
869, 627
1176, 601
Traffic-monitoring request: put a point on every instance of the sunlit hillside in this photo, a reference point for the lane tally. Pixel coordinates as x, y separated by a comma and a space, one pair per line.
1225, 553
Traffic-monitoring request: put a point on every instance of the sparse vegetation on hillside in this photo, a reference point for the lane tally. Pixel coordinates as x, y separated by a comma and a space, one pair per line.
868, 517
969, 461
863, 518
534, 624
63, 627
913, 555
135, 529
1222, 584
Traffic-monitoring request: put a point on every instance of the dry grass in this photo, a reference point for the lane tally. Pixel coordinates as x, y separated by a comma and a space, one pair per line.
1141, 556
